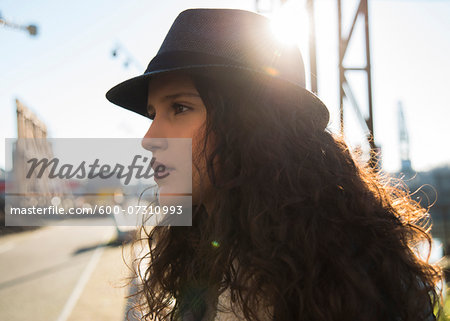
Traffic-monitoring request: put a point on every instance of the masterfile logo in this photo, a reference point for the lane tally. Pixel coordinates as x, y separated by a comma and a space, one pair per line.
98, 182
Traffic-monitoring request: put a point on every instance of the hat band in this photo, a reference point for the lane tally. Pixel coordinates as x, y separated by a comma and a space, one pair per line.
185, 59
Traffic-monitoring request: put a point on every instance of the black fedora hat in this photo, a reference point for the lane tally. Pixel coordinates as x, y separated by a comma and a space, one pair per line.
225, 43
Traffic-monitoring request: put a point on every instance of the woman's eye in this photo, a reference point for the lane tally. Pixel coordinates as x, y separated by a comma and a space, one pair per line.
180, 108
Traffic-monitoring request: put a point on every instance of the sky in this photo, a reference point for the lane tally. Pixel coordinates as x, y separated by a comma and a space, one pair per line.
62, 74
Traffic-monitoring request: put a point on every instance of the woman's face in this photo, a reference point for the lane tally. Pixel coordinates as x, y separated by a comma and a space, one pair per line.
177, 111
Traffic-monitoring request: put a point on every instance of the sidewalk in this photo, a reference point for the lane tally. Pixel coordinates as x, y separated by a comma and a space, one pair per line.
104, 296
63, 273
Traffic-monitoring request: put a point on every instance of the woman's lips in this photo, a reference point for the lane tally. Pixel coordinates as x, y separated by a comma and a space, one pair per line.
161, 170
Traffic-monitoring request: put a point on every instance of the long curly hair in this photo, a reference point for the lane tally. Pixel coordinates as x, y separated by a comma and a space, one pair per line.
298, 228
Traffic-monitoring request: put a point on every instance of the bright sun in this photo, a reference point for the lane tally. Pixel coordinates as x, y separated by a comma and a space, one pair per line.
290, 23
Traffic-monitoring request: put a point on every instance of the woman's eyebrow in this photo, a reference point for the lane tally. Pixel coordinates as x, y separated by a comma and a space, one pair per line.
177, 95
174, 96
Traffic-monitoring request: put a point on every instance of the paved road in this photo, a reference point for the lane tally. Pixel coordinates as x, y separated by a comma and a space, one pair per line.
62, 274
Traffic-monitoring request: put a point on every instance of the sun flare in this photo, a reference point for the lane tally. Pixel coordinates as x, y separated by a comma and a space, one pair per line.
290, 23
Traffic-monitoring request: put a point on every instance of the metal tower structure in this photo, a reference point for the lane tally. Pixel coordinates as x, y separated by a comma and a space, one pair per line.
404, 140
345, 90
312, 45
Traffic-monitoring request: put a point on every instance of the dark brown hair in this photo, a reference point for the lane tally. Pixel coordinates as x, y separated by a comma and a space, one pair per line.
299, 230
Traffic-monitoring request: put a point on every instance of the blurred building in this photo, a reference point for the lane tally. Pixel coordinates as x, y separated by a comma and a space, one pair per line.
432, 190
29, 127
23, 189
31, 143
28, 124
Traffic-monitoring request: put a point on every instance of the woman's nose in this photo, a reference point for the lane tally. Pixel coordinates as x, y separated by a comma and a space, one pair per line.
155, 138
154, 144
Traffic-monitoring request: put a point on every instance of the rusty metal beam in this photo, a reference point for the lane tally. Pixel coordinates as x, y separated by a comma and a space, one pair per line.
312, 46
344, 40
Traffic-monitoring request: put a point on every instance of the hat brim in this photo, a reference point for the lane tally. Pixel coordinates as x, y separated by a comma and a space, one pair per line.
132, 94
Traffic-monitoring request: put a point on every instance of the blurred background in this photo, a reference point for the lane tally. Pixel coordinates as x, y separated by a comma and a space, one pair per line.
381, 67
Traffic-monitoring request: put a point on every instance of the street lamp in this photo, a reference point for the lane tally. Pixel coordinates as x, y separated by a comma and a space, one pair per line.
129, 59
31, 29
